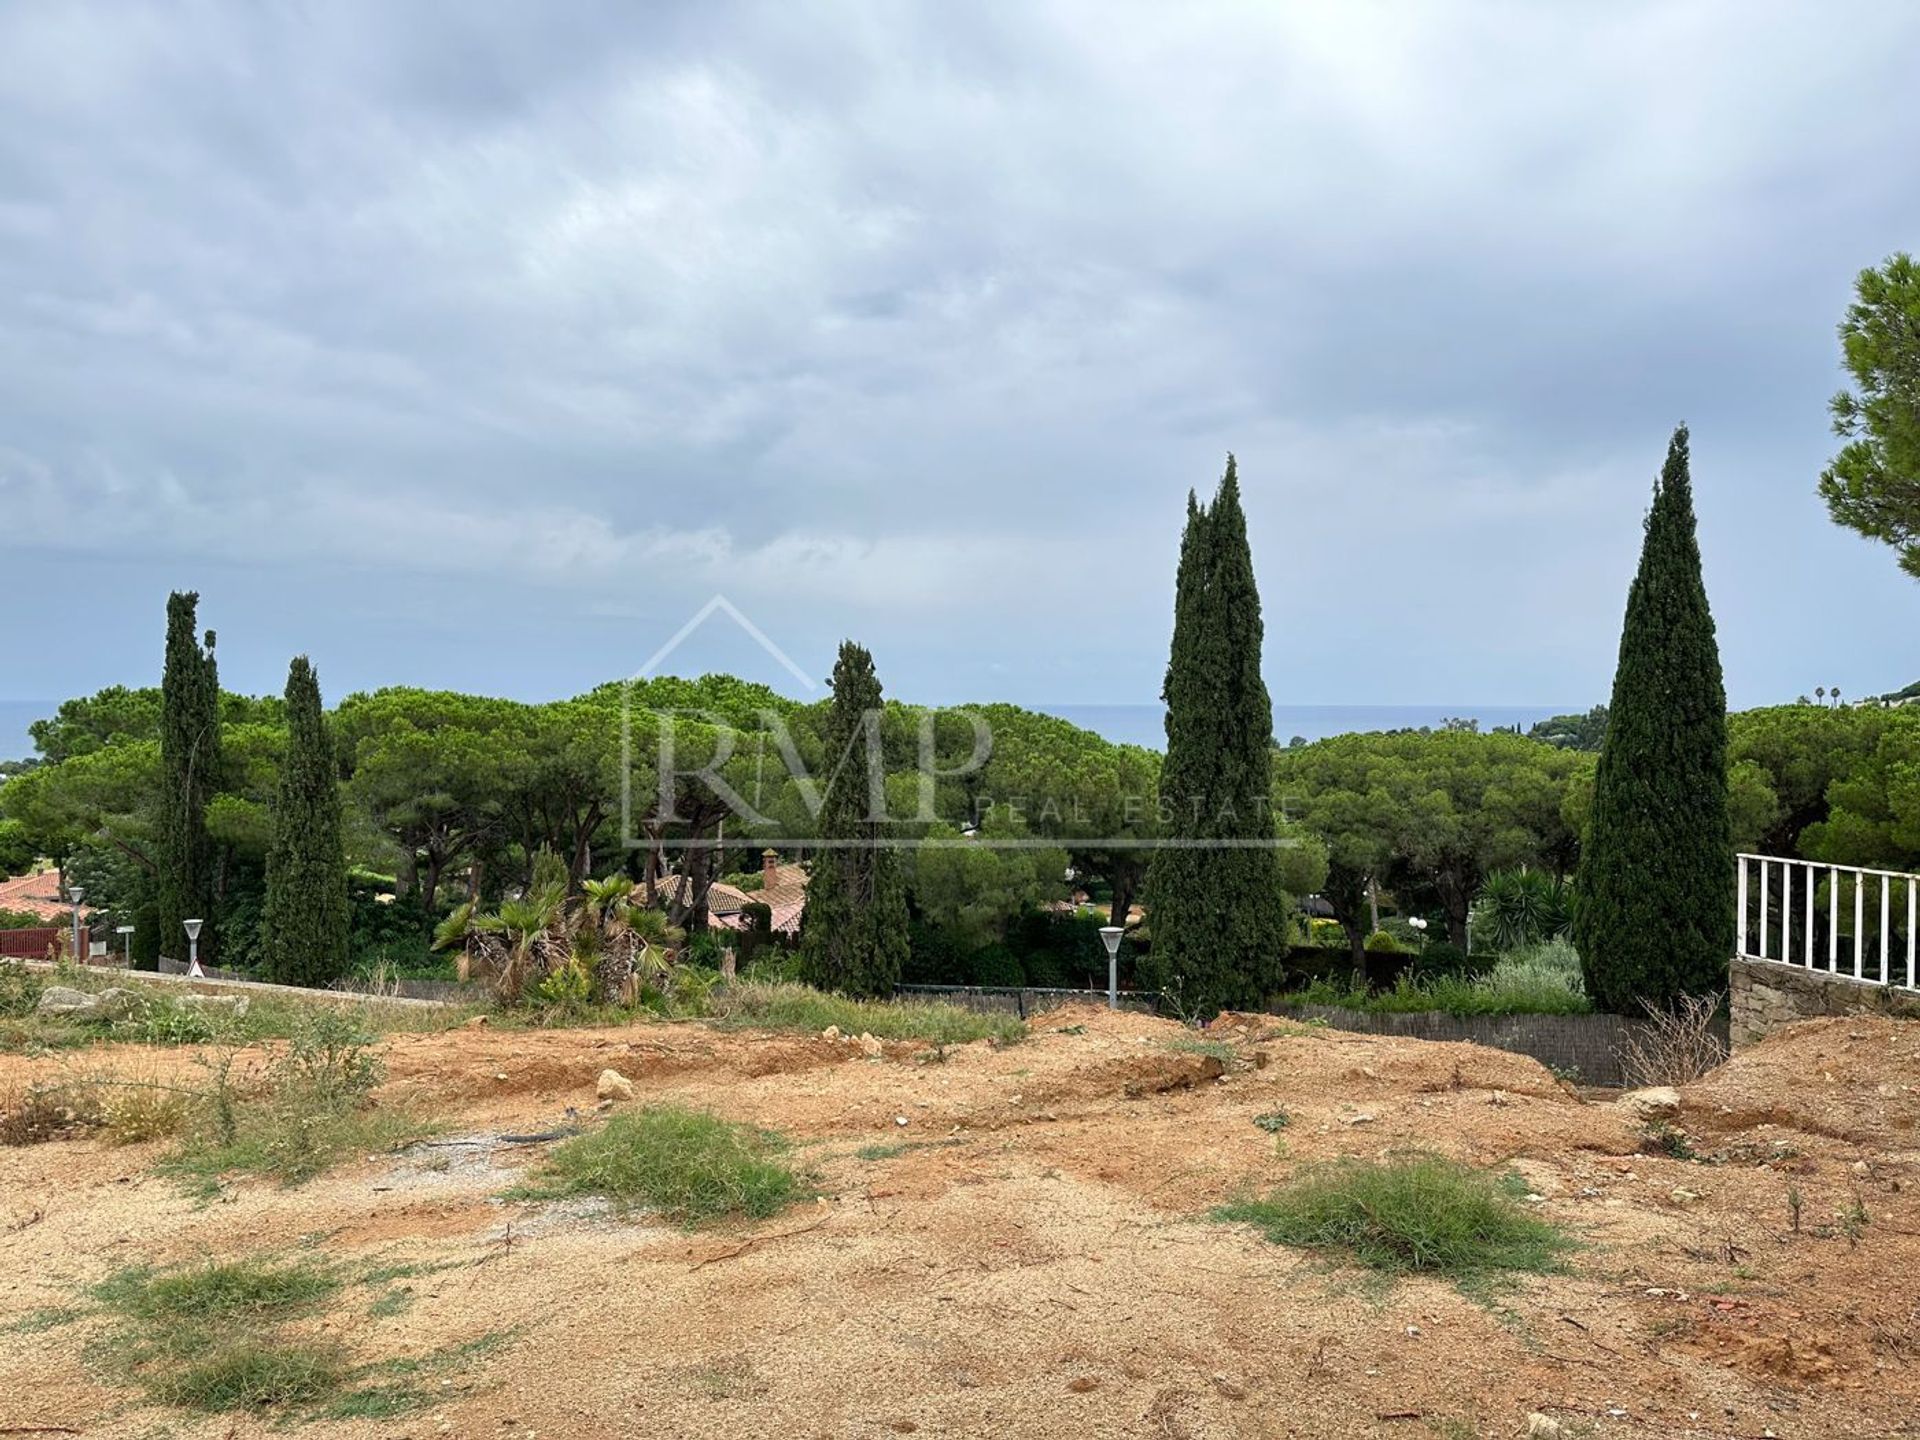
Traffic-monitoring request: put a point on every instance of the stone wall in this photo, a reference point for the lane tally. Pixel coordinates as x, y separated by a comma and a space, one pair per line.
1763, 997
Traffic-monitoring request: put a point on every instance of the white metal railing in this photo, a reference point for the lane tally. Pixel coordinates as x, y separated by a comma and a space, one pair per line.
1837, 919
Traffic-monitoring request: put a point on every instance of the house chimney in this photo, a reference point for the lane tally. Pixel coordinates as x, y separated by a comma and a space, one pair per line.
769, 868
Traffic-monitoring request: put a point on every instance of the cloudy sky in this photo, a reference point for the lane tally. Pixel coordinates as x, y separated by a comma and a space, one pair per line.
479, 345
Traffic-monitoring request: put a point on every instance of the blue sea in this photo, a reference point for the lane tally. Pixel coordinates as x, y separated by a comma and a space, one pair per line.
1145, 724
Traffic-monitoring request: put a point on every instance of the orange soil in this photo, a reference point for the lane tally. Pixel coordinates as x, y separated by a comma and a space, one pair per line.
1039, 1261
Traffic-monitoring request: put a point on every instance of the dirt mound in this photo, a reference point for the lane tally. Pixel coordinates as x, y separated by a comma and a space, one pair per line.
1852, 1079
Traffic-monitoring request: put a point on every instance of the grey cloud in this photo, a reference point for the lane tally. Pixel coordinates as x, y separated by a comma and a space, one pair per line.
916, 323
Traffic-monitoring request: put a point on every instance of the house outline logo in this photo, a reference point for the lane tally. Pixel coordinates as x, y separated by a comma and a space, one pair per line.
719, 603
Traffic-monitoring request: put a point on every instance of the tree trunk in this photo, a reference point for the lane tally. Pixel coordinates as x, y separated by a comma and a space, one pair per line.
430, 882
1356, 941
1122, 902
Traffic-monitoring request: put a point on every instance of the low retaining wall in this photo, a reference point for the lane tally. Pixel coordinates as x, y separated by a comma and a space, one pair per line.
1588, 1049
216, 981
1023, 1000
1763, 996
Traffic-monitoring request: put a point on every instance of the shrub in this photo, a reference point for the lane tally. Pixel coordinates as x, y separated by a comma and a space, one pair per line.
686, 1164
1521, 907
314, 1109
567, 987
1409, 1212
1677, 1046
1541, 980
39, 1113
1382, 943
20, 989
133, 1111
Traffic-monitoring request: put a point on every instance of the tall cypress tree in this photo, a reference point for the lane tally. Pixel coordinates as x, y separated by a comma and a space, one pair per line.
189, 763
1654, 914
304, 923
853, 933
1214, 896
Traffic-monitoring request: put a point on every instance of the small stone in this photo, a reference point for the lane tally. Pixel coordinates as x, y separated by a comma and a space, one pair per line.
1658, 1102
64, 1000
612, 1085
1228, 1388
871, 1047
1544, 1427
478, 1022
832, 1032
1360, 1119
1680, 1195
900, 1120
1413, 1332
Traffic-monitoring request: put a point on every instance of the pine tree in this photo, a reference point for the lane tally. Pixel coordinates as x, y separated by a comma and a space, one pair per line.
189, 764
1214, 896
304, 923
1654, 914
853, 933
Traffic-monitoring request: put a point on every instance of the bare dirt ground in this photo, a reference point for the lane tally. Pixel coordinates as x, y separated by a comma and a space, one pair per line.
1038, 1260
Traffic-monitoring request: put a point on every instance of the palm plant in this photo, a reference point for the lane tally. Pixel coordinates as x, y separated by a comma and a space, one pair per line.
1521, 907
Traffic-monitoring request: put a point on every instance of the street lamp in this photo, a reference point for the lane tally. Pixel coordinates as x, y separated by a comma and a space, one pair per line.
193, 949
1110, 935
126, 945
74, 893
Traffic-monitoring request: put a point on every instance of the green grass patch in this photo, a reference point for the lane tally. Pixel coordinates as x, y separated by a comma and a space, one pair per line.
207, 1292
880, 1152
787, 1006
1273, 1121
228, 1336
47, 1317
391, 1302
251, 1373
1408, 1213
688, 1165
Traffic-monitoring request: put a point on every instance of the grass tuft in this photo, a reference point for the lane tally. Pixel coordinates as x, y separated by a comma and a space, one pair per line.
688, 1165
208, 1292
251, 1373
787, 1006
1408, 1213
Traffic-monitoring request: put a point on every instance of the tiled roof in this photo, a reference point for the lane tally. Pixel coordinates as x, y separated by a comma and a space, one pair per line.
39, 894
785, 899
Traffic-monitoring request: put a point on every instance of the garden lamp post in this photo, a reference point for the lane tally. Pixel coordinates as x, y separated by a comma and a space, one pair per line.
126, 943
75, 894
193, 949
1110, 936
